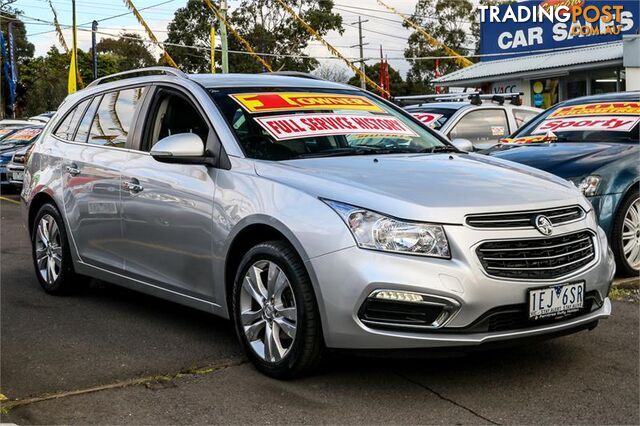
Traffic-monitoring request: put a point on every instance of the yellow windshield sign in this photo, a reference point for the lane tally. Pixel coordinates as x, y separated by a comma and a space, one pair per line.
291, 101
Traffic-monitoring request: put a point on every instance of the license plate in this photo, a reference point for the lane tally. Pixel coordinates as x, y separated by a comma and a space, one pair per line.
558, 300
17, 176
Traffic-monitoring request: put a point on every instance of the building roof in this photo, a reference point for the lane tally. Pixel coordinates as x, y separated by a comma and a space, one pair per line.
603, 54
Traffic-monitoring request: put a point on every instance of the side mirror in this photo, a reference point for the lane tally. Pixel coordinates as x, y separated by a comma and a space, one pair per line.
181, 148
463, 144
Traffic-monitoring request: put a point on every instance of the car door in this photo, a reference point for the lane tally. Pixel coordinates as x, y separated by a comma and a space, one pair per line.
94, 157
168, 208
484, 127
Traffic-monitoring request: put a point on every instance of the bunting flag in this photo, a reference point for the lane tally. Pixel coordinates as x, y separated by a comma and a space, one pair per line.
72, 83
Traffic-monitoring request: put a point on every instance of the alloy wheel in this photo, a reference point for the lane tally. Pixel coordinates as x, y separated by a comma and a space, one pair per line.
48, 249
631, 235
268, 311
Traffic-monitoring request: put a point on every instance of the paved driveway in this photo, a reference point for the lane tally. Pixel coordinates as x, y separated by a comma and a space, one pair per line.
109, 355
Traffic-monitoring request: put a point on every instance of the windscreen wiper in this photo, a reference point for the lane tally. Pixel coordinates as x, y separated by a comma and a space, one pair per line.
441, 148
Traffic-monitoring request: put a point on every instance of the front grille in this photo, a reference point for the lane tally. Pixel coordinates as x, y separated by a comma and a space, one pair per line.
525, 219
538, 259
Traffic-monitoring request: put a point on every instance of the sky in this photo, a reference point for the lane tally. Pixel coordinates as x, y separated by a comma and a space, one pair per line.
383, 28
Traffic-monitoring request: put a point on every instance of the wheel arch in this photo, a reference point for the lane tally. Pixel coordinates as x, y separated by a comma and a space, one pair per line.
39, 200
254, 230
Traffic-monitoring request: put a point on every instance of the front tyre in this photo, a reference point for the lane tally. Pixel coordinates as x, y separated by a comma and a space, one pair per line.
275, 311
625, 239
50, 251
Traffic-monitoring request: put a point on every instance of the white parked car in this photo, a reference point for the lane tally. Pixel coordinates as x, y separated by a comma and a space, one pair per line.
481, 120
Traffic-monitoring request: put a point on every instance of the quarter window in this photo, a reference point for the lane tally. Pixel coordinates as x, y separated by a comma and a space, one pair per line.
482, 126
114, 116
522, 116
67, 128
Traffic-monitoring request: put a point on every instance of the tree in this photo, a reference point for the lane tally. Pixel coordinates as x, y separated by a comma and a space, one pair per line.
333, 72
449, 22
45, 82
191, 26
128, 50
266, 26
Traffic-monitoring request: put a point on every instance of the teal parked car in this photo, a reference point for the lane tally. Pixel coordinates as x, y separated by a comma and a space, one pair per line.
592, 141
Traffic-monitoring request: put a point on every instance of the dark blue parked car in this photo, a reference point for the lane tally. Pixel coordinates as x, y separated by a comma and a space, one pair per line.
592, 141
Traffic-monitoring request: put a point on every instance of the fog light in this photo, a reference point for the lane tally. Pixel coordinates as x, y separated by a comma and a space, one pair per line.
399, 296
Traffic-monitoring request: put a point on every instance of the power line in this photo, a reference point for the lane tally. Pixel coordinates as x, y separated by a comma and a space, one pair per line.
110, 17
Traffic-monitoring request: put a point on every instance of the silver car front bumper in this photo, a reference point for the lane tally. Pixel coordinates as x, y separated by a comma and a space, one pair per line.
344, 279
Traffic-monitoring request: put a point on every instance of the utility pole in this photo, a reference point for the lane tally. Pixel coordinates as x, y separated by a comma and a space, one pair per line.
223, 38
94, 29
361, 45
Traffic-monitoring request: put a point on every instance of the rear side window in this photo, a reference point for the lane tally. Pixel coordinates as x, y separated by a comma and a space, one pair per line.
522, 116
482, 126
113, 118
67, 128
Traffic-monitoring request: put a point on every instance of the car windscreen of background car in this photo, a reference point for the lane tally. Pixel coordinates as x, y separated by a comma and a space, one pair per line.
592, 122
284, 124
432, 116
22, 136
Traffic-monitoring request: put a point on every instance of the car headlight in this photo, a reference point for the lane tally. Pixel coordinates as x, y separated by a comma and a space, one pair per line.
589, 185
375, 231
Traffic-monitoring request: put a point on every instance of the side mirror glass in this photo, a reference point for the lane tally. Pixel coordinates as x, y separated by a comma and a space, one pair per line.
185, 148
463, 144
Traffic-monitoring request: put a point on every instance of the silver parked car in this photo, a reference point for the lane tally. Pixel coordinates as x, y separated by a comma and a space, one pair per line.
254, 198
471, 121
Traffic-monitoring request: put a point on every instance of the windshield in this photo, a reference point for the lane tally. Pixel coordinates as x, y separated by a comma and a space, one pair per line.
285, 124
21, 136
589, 122
432, 116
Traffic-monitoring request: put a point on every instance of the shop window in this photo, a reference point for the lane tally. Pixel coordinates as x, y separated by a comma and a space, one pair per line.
544, 92
605, 81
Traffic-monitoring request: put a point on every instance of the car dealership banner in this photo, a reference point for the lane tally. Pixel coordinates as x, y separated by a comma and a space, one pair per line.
527, 27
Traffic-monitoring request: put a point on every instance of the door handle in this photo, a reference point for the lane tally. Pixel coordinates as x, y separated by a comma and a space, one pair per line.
132, 186
72, 170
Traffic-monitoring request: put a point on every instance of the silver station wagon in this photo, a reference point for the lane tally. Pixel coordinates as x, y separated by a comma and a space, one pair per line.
312, 214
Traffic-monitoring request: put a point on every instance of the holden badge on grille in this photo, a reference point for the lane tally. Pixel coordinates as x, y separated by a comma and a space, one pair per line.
543, 224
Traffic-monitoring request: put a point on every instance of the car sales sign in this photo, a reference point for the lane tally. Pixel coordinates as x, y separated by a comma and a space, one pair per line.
283, 127
523, 28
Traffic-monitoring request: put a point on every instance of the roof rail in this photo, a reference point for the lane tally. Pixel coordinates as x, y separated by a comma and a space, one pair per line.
475, 98
150, 70
299, 74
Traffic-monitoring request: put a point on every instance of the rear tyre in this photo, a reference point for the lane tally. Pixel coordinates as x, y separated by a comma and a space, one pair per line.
275, 311
625, 238
51, 253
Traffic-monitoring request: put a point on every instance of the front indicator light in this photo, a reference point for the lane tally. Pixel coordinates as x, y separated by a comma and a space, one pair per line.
589, 185
375, 231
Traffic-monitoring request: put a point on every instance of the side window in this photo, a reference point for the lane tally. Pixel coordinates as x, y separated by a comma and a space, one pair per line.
482, 126
67, 128
522, 116
172, 113
87, 119
114, 117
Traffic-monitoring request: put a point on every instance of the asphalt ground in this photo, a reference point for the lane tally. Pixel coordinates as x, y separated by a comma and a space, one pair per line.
112, 356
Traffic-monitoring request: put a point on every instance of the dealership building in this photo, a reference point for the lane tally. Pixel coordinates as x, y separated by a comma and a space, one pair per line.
547, 63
